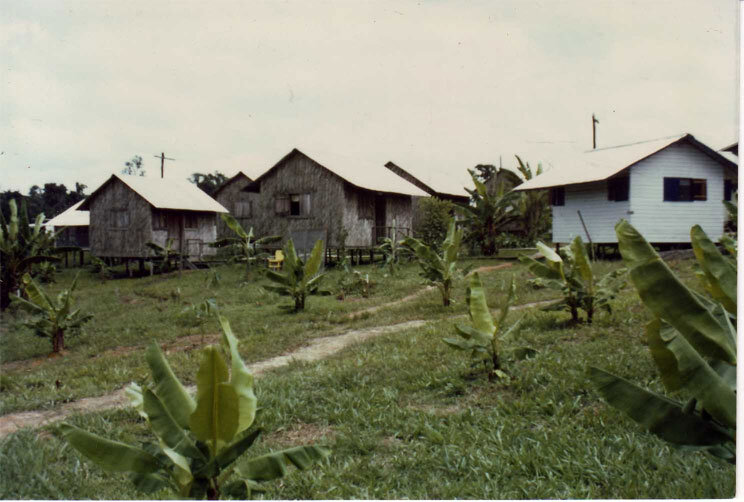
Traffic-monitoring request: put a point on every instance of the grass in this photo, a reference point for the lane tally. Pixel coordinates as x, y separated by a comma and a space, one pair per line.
405, 415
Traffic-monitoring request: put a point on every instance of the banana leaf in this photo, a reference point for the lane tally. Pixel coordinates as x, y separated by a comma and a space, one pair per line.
166, 428
240, 378
168, 388
719, 272
216, 415
669, 299
274, 465
110, 455
657, 413
478, 310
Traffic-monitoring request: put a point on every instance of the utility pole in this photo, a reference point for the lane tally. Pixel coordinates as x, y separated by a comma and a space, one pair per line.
162, 158
594, 132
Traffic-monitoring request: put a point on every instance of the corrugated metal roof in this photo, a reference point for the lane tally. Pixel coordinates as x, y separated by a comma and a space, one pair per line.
167, 193
360, 173
600, 164
70, 217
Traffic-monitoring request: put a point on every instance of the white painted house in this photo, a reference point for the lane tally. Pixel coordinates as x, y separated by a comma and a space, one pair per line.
662, 187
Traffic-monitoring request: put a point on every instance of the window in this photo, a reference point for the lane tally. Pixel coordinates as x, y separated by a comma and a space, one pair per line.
558, 196
119, 218
159, 220
190, 221
366, 206
243, 209
292, 205
685, 189
729, 189
618, 189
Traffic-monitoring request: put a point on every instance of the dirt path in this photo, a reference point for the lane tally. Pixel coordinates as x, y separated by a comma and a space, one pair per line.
317, 348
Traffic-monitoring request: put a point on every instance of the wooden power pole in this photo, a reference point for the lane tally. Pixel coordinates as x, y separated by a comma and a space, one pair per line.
162, 158
594, 132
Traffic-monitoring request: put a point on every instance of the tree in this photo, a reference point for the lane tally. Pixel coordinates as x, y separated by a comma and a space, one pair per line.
488, 214
134, 167
534, 205
433, 216
209, 182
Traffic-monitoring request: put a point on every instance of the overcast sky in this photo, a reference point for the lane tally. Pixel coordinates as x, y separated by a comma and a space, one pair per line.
433, 86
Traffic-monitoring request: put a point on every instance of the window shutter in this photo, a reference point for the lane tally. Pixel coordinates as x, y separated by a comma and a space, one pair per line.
671, 189
305, 204
281, 204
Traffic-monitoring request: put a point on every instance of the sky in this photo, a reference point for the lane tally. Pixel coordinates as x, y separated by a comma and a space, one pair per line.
434, 86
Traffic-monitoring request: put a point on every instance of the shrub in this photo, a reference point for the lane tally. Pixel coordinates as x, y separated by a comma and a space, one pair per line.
692, 340
199, 440
432, 218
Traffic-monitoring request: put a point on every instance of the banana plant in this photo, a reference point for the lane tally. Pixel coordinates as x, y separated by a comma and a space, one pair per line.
166, 253
572, 275
197, 440
440, 270
21, 247
482, 337
392, 250
298, 280
98, 266
692, 340
54, 318
244, 245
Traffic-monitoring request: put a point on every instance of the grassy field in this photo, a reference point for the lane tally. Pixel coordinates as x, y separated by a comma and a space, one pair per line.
405, 415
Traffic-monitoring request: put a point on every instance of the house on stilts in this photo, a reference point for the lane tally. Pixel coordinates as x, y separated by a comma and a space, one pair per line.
345, 201
126, 212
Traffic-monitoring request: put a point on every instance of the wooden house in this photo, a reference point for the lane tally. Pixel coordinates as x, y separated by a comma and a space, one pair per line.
71, 227
662, 187
343, 200
232, 197
126, 212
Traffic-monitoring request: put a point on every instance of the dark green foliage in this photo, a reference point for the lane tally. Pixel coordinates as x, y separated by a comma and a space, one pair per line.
134, 167
433, 216
693, 343
22, 246
488, 214
209, 182
534, 206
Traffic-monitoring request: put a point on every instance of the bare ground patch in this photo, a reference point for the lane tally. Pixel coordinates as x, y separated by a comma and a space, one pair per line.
300, 433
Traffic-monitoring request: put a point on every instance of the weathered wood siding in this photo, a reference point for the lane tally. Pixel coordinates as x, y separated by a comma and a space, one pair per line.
111, 233
600, 214
333, 206
199, 229
298, 175
230, 196
665, 221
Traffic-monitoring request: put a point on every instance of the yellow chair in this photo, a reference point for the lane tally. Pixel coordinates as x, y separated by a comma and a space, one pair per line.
275, 263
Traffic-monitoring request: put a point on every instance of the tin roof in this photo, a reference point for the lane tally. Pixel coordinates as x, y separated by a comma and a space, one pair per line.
70, 217
602, 163
360, 173
165, 193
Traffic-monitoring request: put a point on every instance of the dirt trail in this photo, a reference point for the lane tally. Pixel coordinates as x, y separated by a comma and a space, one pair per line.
317, 348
